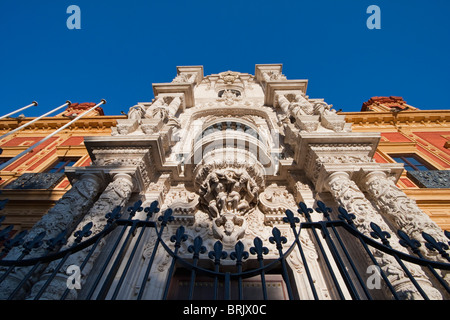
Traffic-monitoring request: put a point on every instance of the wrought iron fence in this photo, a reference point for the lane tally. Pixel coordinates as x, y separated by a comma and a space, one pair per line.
338, 242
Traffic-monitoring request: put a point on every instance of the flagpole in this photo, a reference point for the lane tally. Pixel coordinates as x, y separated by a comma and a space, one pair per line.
4, 165
34, 103
68, 103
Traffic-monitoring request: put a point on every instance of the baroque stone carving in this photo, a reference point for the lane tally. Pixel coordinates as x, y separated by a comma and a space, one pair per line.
274, 202
229, 229
349, 196
309, 114
229, 97
150, 118
117, 193
226, 191
63, 215
273, 75
401, 210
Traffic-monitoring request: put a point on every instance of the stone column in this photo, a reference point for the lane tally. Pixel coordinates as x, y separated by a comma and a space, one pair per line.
402, 211
62, 216
284, 103
117, 193
174, 106
349, 196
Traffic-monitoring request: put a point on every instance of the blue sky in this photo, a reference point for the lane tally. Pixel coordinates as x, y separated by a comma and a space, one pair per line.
125, 46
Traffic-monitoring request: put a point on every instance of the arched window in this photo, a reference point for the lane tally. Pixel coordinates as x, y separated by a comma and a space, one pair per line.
230, 126
237, 93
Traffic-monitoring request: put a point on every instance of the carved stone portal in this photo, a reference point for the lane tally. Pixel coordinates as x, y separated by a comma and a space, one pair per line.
228, 191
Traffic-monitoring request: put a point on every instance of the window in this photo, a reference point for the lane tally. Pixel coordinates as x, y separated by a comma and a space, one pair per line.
61, 164
251, 287
412, 162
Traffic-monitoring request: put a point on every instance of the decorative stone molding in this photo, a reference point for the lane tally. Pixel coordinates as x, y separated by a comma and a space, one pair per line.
274, 202
191, 74
333, 122
308, 123
147, 118
310, 115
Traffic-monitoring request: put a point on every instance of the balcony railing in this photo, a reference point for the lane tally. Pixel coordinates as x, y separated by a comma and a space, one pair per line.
41, 180
431, 178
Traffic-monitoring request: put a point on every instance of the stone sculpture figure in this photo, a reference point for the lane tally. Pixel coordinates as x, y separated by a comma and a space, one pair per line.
229, 229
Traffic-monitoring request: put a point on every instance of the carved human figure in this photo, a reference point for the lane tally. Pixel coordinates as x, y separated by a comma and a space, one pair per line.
301, 106
158, 110
136, 112
228, 191
234, 196
229, 229
323, 108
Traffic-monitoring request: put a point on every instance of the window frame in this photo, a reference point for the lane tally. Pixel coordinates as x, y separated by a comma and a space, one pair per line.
65, 160
407, 163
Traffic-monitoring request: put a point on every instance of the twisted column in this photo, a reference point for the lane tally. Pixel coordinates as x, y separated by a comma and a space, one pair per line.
350, 197
403, 213
62, 216
117, 193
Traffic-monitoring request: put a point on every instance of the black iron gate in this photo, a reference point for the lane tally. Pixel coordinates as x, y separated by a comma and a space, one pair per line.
335, 242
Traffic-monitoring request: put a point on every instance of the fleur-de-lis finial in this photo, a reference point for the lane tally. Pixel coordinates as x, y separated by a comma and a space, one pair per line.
303, 209
179, 236
5, 233
14, 242
84, 232
35, 243
344, 215
432, 244
259, 249
217, 253
113, 215
407, 242
239, 253
290, 218
60, 239
277, 238
154, 208
380, 234
322, 208
197, 247
166, 217
135, 208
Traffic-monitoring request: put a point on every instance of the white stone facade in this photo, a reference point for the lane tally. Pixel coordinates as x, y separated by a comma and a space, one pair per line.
229, 153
